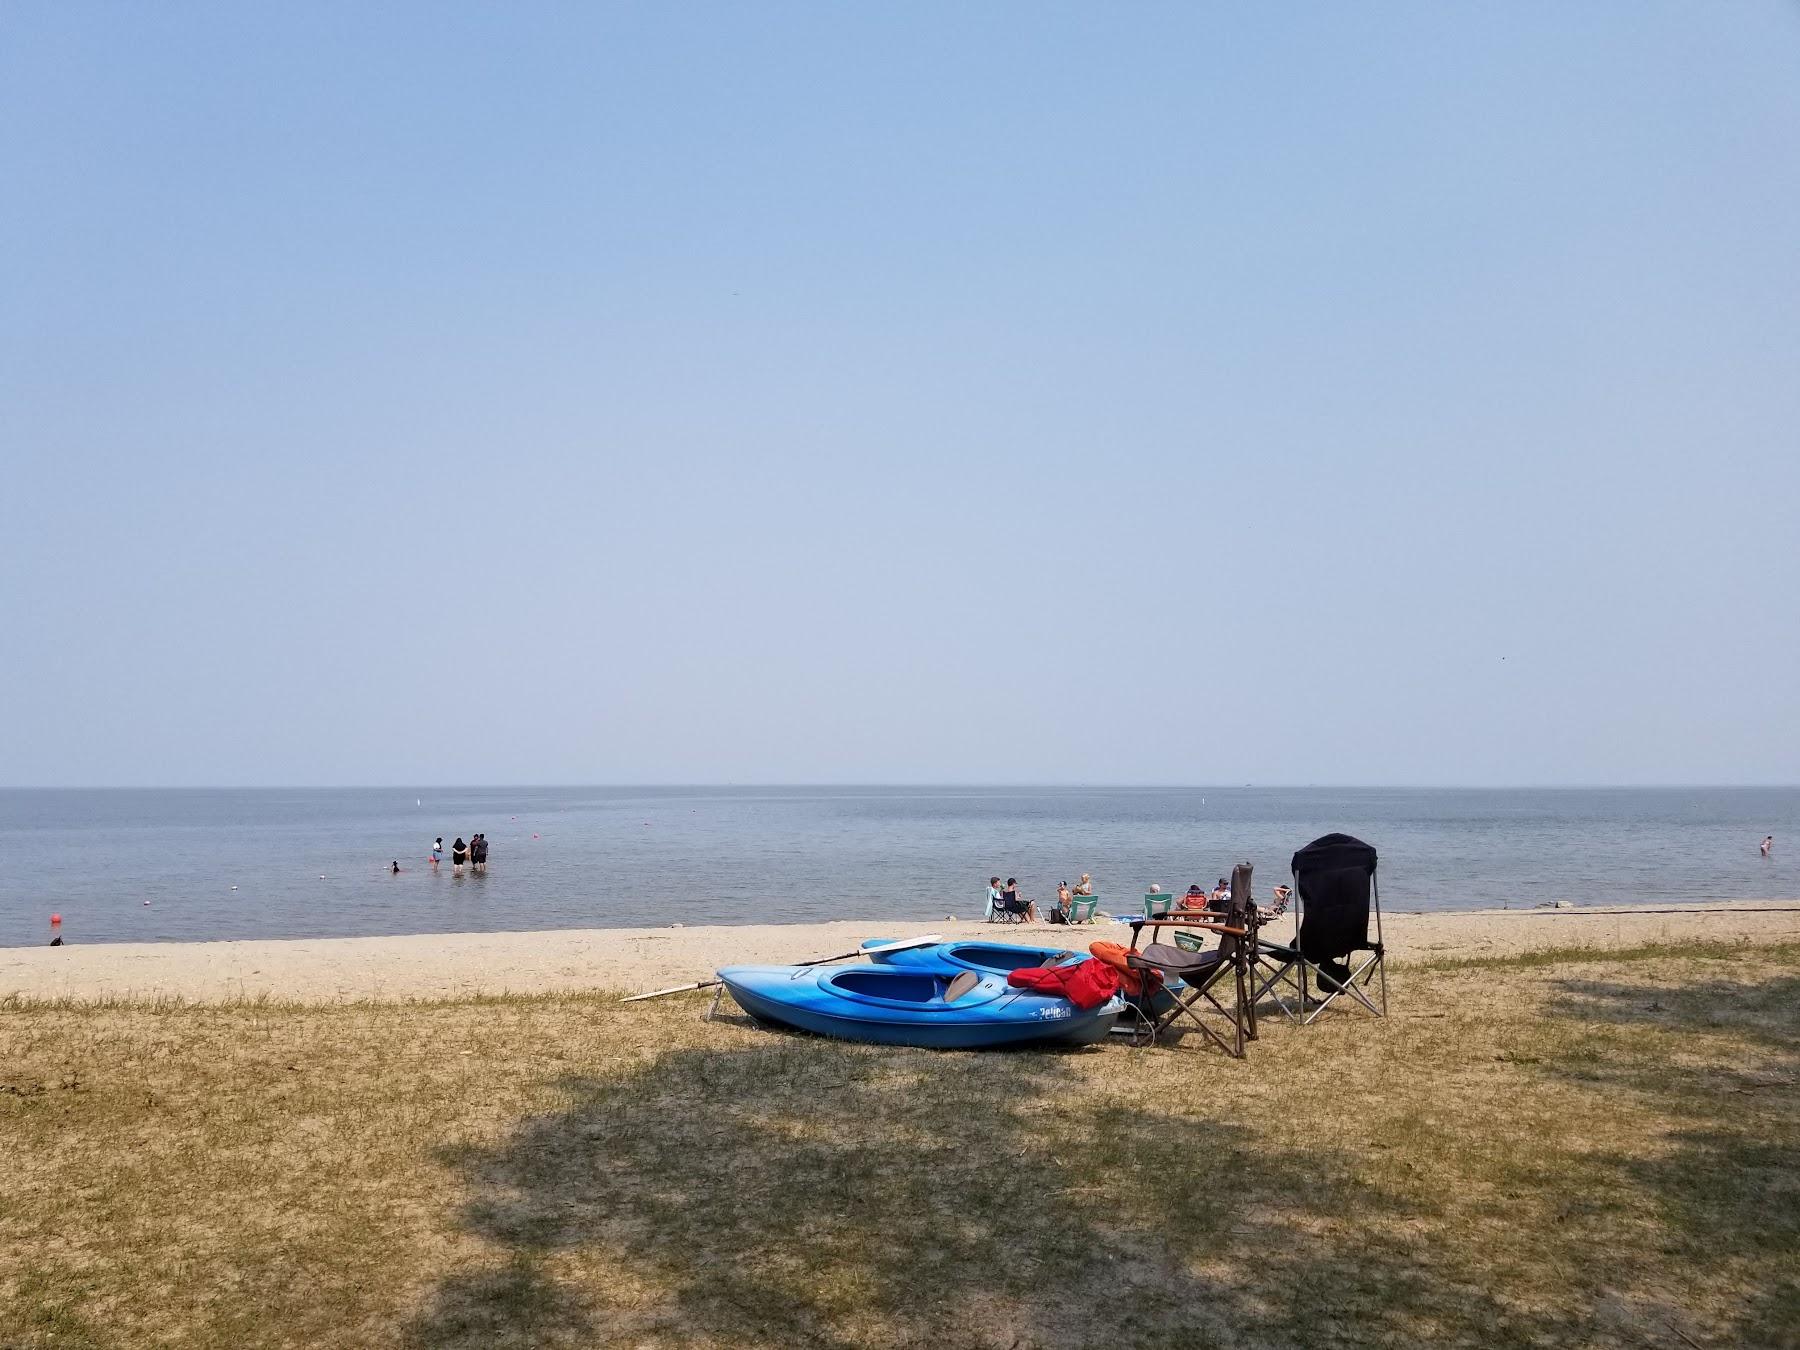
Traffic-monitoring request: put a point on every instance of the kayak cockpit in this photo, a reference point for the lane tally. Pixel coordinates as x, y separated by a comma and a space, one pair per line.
920, 990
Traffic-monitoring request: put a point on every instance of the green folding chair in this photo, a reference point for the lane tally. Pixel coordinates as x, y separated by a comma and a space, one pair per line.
1082, 907
1158, 902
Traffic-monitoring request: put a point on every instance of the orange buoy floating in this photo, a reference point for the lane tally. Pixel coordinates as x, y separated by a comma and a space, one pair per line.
55, 920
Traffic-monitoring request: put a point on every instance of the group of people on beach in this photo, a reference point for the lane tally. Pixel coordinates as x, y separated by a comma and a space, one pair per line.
1220, 898
474, 853
1006, 899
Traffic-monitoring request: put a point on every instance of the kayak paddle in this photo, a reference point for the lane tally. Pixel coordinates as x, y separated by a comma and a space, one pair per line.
903, 944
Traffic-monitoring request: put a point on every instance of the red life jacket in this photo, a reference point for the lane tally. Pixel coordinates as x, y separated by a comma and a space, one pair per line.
1086, 984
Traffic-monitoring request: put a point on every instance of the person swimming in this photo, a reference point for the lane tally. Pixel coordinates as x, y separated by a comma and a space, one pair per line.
394, 867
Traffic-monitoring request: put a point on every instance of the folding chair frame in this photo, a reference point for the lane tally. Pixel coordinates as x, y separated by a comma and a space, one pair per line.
1241, 1015
1083, 909
1291, 969
1283, 964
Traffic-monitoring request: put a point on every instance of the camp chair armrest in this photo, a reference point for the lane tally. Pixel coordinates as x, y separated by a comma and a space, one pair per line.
1177, 922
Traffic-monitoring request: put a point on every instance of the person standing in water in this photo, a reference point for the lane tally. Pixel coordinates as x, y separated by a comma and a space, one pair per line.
437, 853
1768, 845
459, 854
478, 852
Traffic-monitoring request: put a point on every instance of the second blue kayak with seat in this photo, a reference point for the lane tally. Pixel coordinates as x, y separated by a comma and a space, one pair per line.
993, 958
940, 1008
998, 958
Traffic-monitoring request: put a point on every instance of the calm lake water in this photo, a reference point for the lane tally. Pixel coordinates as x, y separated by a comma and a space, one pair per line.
306, 863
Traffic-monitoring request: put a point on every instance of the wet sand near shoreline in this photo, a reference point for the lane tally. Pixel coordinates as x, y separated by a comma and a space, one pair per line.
438, 966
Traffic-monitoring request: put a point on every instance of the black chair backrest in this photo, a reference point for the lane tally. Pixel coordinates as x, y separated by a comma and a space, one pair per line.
1334, 875
1238, 911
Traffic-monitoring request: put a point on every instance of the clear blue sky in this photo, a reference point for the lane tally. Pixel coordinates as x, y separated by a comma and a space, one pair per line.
924, 392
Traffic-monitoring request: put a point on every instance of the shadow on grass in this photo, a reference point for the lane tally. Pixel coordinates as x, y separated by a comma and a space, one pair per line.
1721, 1059
805, 1192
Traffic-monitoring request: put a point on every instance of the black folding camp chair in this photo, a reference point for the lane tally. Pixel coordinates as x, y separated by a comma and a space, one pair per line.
1017, 912
1331, 955
1195, 1002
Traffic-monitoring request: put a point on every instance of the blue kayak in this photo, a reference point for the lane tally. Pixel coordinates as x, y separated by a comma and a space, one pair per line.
1001, 958
996, 958
897, 1005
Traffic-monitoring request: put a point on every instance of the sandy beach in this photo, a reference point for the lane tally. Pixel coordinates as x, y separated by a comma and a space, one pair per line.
435, 966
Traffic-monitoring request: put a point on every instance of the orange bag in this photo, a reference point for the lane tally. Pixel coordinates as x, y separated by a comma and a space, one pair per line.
1135, 983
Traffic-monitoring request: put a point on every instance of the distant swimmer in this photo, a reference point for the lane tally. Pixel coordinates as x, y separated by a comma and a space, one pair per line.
1768, 845
394, 867
459, 854
437, 853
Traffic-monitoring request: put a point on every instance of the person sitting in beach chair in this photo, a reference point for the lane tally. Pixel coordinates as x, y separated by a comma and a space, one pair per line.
1004, 905
1072, 908
1009, 899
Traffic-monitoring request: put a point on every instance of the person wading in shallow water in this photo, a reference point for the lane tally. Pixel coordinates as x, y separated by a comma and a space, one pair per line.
459, 854
1768, 845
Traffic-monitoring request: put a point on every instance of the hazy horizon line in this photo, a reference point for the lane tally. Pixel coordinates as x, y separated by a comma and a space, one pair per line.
914, 785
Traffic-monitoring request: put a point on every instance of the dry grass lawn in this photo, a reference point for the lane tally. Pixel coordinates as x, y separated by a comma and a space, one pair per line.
1566, 1150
